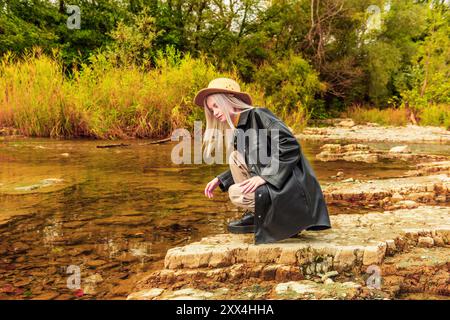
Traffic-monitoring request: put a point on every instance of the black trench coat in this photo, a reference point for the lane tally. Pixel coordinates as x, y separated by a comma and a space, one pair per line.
292, 199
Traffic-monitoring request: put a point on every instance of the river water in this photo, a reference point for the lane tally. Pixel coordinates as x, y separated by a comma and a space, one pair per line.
112, 213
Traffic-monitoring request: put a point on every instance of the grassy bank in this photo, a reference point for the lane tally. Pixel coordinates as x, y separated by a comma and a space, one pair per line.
433, 115
102, 100
106, 101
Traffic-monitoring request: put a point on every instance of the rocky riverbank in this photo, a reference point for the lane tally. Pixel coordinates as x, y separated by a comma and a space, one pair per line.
401, 246
346, 129
355, 243
390, 193
365, 153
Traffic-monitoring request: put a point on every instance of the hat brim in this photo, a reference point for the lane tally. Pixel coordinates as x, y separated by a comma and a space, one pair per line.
203, 93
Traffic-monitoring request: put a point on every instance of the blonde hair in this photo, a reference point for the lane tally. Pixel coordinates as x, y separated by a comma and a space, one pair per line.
217, 130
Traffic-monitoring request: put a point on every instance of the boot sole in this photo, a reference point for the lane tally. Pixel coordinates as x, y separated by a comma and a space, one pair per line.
241, 229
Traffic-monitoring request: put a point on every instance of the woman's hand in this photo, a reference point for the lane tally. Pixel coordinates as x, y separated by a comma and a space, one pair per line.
251, 184
211, 186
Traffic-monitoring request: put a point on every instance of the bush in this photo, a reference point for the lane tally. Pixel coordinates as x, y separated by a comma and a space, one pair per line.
290, 88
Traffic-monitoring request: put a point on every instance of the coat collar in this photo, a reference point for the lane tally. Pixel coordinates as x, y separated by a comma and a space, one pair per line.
243, 118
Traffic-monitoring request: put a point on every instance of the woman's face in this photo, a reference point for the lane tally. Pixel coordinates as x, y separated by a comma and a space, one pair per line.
212, 106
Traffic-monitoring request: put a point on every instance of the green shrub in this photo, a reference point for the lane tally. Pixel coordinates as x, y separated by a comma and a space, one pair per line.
290, 87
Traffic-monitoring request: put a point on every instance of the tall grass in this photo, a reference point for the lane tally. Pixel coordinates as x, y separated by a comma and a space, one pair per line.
389, 116
102, 100
436, 115
431, 115
32, 96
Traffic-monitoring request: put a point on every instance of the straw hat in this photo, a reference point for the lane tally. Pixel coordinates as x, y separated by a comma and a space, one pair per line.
222, 85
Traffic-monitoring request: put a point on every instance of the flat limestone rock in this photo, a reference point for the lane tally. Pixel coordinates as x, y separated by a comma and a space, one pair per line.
301, 289
355, 241
187, 293
147, 294
418, 270
365, 153
306, 289
390, 241
409, 134
384, 192
427, 168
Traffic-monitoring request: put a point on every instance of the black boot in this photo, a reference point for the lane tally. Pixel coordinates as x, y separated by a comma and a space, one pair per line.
297, 235
244, 225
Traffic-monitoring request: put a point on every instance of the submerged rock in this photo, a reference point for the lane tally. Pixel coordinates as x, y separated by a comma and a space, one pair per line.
42, 184
46, 296
28, 188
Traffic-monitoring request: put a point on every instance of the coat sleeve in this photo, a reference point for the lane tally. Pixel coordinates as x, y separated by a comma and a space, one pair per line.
226, 180
289, 153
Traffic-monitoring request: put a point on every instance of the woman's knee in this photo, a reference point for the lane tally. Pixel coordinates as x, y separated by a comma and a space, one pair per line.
235, 194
